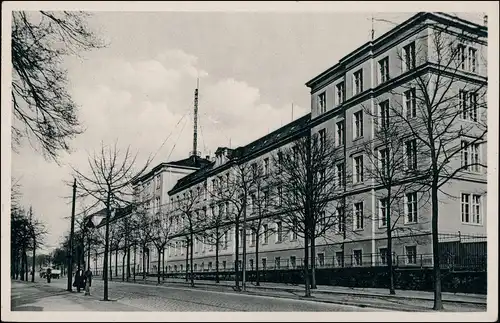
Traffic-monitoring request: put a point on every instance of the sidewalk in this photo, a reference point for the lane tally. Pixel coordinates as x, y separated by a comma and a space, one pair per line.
459, 298
27, 296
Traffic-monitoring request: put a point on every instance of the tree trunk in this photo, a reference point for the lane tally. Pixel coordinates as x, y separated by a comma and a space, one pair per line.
116, 262
110, 265
217, 238
192, 247
244, 255
257, 273
187, 260
159, 267
389, 243
33, 263
135, 258
306, 266
163, 263
128, 262
144, 262
106, 247
123, 264
237, 258
438, 303
313, 261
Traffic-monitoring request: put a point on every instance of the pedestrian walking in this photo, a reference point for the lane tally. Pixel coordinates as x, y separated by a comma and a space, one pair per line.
88, 281
79, 280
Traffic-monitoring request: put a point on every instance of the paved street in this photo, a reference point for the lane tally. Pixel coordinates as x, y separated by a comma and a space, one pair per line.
129, 297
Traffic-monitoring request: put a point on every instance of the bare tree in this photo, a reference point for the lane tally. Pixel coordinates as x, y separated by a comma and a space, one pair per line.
188, 213
109, 183
142, 224
307, 187
42, 107
215, 229
445, 112
162, 229
390, 161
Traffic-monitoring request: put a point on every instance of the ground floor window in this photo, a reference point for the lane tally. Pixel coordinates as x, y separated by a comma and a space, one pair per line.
358, 257
411, 254
293, 261
383, 256
321, 259
339, 258
264, 263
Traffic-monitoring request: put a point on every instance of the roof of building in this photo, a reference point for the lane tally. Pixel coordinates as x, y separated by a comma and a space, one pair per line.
409, 22
241, 152
190, 162
119, 213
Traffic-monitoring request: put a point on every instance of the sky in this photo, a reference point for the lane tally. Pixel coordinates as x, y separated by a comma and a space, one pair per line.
252, 67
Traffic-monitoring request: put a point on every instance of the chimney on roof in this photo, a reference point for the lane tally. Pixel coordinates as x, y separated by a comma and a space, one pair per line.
485, 20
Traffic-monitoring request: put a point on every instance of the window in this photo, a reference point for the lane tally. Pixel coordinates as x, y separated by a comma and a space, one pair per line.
358, 124
471, 208
251, 264
341, 219
265, 228
472, 56
321, 177
253, 238
383, 160
340, 93
242, 236
358, 216
411, 154
226, 239
264, 262
279, 232
470, 156
411, 207
280, 195
293, 261
224, 265
383, 116
383, 209
280, 159
277, 261
266, 166
295, 229
322, 103
358, 257
339, 258
322, 137
321, 259
266, 199
340, 133
358, 169
462, 54
253, 203
322, 219
358, 82
210, 266
410, 103
468, 105
383, 69
411, 254
409, 57
383, 256
340, 175
158, 181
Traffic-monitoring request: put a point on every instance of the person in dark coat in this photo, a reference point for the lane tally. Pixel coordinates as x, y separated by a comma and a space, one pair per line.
79, 280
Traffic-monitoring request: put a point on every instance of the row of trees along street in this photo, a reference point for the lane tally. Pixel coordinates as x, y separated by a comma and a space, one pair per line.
27, 235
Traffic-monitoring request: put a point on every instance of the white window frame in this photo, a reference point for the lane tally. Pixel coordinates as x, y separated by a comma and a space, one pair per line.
383, 161
340, 133
383, 114
357, 124
470, 155
414, 206
358, 216
355, 264
470, 205
265, 234
472, 65
318, 258
382, 260
342, 259
383, 70
294, 264
409, 55
263, 261
322, 137
339, 169
322, 102
357, 82
357, 169
266, 166
410, 103
381, 210
411, 162
340, 92
407, 258
279, 232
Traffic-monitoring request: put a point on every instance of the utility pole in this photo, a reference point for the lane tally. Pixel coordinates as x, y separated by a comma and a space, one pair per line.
70, 248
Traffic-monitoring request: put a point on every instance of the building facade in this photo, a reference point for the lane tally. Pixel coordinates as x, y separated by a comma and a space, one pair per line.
346, 101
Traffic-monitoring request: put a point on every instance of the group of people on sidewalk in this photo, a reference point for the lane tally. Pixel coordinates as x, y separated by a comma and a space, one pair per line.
83, 280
